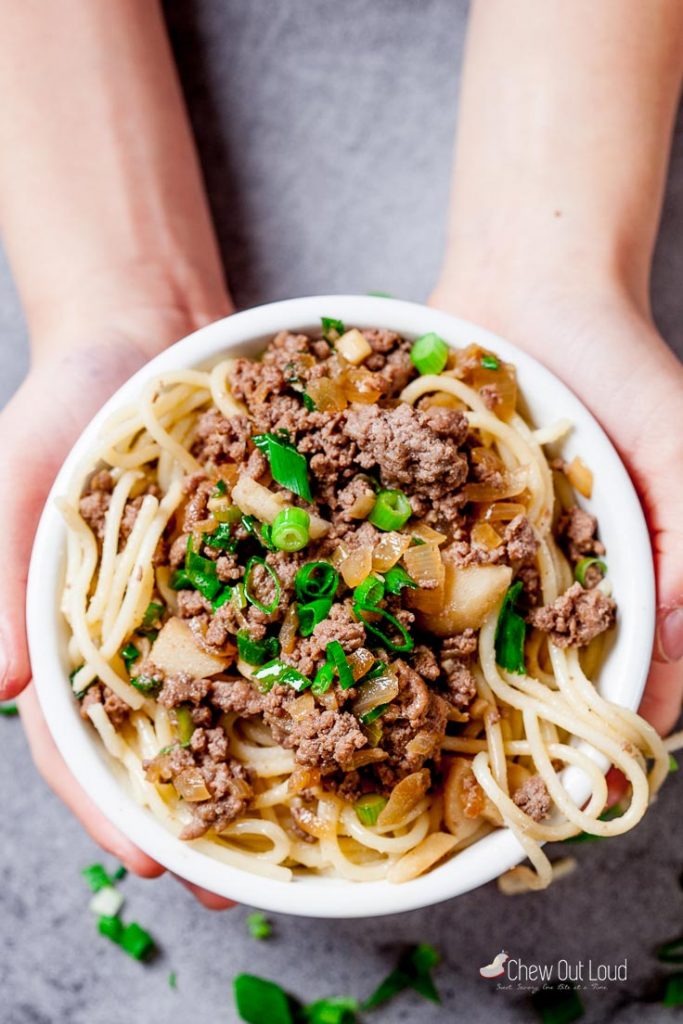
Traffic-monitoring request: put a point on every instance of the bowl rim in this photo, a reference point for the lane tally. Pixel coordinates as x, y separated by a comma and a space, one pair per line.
313, 896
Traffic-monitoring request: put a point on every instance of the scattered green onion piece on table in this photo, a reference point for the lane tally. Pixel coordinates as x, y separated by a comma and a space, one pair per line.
106, 902
511, 633
381, 295
555, 1005
332, 329
146, 684
369, 808
267, 609
312, 613
290, 528
490, 362
96, 877
396, 578
256, 652
337, 1010
221, 538
391, 511
111, 927
407, 642
336, 656
259, 926
413, 971
323, 678
184, 725
671, 952
316, 579
129, 654
673, 993
673, 763
279, 672
9, 710
584, 564
135, 941
288, 466
173, 980
370, 592
259, 1001
120, 873
429, 353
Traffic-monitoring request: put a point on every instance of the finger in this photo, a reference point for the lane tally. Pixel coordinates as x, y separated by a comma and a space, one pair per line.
49, 763
210, 900
661, 703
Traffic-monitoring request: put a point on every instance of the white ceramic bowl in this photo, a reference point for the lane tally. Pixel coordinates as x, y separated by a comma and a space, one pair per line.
621, 680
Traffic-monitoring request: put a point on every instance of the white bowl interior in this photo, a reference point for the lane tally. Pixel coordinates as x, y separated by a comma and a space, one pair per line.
622, 677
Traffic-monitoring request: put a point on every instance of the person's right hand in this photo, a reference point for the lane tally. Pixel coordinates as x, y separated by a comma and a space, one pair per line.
61, 393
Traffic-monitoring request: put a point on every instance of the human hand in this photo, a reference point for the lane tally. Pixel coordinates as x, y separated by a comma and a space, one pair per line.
608, 351
66, 386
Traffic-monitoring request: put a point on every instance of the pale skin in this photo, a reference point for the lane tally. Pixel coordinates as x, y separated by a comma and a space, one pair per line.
565, 126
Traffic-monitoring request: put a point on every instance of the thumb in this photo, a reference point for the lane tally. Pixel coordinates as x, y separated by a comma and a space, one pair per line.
664, 498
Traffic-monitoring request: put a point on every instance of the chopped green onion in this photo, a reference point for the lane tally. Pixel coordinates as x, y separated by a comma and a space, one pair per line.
181, 581
407, 643
312, 613
120, 873
201, 572
96, 877
511, 633
221, 538
267, 609
184, 725
337, 1010
673, 763
106, 902
220, 489
381, 295
556, 1004
490, 362
260, 1001
391, 511
673, 993
135, 941
588, 837
671, 952
369, 808
9, 710
370, 592
226, 594
152, 616
336, 656
372, 716
413, 971
259, 926
290, 529
173, 980
256, 652
332, 329
323, 678
417, 541
111, 927
584, 564
261, 531
288, 466
396, 578
280, 672
129, 654
316, 579
146, 684
309, 404
429, 353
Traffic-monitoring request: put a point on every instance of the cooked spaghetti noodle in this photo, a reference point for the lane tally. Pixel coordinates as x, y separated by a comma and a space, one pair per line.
368, 718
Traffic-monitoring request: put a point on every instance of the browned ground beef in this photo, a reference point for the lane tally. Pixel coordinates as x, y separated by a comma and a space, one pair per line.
576, 617
428, 452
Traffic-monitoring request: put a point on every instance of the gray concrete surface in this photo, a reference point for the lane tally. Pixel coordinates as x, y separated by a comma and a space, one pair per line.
325, 131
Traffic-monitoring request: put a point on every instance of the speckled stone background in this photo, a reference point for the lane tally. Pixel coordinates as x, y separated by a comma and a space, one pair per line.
325, 130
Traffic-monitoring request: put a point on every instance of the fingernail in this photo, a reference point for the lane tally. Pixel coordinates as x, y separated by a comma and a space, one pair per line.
670, 635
